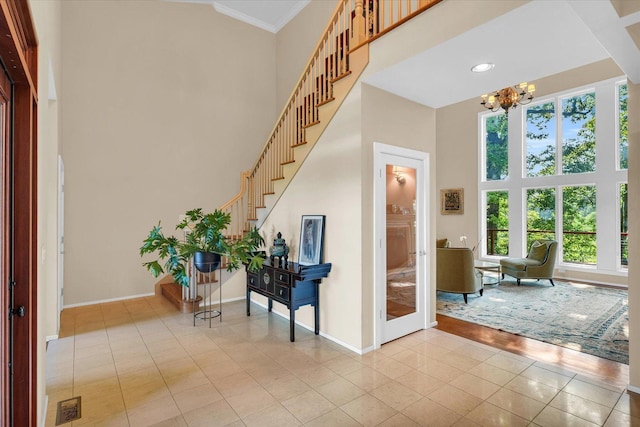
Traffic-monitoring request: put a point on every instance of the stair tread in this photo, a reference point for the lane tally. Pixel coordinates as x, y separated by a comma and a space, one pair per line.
325, 102
173, 292
341, 76
298, 144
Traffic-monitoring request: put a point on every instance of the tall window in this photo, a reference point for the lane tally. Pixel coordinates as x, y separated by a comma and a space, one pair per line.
624, 230
541, 214
541, 140
497, 222
623, 137
552, 192
496, 141
579, 224
623, 148
578, 133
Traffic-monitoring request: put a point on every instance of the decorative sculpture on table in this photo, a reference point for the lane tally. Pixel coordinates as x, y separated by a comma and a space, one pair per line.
279, 250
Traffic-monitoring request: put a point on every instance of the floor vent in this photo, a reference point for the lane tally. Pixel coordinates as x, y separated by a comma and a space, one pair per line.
68, 410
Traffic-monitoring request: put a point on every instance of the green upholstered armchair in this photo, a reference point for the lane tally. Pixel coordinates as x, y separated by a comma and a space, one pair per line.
455, 272
538, 264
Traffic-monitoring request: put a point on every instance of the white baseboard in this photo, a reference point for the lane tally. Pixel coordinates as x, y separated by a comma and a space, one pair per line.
345, 345
45, 406
633, 389
51, 337
322, 334
82, 304
591, 282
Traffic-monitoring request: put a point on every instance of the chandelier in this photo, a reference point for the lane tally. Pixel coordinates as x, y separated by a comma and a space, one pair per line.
509, 97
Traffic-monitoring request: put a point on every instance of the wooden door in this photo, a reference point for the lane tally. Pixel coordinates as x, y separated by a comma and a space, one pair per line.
5, 249
18, 217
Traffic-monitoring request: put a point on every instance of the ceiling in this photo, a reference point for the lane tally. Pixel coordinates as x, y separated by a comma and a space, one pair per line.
542, 38
270, 15
548, 37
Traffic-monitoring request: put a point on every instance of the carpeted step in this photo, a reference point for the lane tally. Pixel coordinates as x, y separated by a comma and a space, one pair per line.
173, 292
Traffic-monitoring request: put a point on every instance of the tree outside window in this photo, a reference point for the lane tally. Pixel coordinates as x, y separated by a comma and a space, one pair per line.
579, 224
541, 214
497, 226
541, 140
623, 137
497, 147
579, 133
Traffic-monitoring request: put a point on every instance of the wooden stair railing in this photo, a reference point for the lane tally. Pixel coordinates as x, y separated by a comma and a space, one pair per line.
353, 25
337, 58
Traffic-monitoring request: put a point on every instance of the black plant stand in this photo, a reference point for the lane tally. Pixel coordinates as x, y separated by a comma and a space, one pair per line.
208, 313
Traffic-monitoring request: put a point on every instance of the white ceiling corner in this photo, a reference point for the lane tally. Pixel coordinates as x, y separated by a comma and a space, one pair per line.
610, 30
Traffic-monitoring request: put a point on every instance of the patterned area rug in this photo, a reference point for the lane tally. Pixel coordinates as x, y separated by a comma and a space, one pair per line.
585, 318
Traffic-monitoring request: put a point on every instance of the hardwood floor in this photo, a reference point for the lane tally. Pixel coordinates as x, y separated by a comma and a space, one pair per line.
602, 369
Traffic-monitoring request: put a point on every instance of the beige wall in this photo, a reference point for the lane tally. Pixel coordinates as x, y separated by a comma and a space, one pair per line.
458, 151
391, 120
47, 19
336, 181
46, 16
162, 111
634, 230
329, 183
295, 44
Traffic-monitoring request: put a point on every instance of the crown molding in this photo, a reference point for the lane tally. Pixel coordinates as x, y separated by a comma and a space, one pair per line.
251, 20
225, 10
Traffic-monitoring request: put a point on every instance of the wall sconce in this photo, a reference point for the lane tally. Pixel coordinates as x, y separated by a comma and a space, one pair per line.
399, 176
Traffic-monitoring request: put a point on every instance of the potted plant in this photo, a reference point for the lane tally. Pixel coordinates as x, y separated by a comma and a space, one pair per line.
205, 242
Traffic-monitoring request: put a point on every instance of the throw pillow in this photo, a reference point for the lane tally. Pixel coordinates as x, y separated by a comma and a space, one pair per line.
538, 251
441, 243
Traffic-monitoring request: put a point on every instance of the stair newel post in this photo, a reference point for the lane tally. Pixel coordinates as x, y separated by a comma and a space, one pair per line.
358, 26
279, 147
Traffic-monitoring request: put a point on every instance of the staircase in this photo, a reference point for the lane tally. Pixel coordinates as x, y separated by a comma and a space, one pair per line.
340, 57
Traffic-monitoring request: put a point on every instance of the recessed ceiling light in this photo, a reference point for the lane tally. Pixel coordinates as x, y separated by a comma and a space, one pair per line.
481, 68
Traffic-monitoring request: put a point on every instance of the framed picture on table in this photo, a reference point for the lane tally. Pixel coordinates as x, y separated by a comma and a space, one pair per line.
311, 240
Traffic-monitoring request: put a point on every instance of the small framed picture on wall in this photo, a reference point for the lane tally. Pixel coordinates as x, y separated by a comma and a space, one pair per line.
452, 201
311, 240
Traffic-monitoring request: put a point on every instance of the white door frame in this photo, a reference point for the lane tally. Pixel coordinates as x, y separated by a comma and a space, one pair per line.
422, 234
60, 238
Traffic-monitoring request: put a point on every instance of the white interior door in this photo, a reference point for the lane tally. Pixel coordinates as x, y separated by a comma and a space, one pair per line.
401, 218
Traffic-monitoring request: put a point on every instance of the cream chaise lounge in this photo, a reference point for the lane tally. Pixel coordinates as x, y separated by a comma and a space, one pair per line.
538, 264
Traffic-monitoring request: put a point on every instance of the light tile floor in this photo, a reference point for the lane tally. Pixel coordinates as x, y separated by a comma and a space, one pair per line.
140, 362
